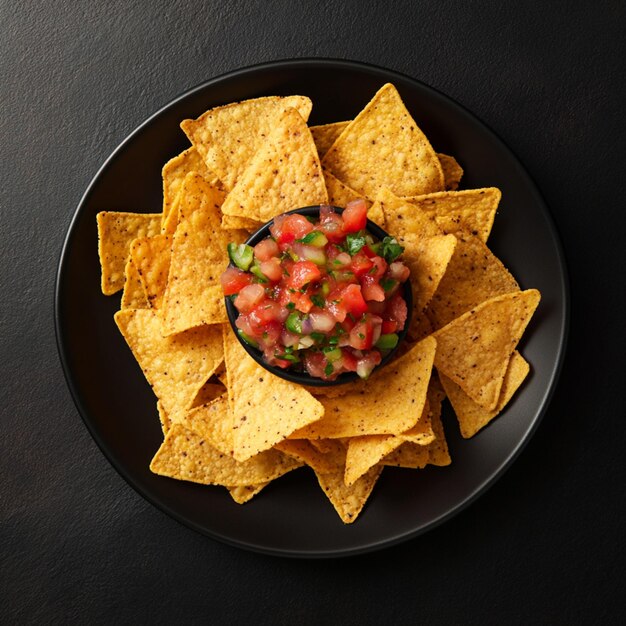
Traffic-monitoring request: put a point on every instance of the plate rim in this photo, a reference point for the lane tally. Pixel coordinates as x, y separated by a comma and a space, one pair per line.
387, 74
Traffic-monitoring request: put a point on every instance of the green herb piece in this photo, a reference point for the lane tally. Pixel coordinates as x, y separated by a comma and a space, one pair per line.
391, 249
293, 323
329, 369
287, 357
332, 354
241, 255
354, 242
256, 270
325, 289
291, 306
319, 337
388, 283
318, 300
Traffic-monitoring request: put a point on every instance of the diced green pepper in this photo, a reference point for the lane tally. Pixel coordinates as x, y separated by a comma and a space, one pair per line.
387, 342
325, 289
332, 354
315, 238
293, 323
241, 255
247, 338
256, 270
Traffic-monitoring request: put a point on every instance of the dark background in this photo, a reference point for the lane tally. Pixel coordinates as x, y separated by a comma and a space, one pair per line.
544, 545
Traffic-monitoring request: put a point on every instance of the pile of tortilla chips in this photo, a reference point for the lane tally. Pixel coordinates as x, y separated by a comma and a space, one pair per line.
228, 421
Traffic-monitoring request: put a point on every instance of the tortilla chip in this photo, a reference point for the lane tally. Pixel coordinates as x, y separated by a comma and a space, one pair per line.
348, 500
151, 256
470, 211
134, 295
212, 421
233, 222
389, 402
194, 294
303, 451
266, 409
333, 446
473, 275
185, 455
474, 349
403, 218
227, 137
471, 416
408, 455
164, 418
174, 172
116, 231
452, 171
437, 450
427, 258
285, 174
383, 147
325, 135
245, 493
176, 367
208, 392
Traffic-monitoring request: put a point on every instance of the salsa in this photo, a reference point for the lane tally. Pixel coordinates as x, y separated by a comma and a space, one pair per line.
321, 296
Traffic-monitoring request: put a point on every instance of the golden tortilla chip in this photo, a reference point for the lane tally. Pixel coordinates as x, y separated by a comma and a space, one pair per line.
134, 295
325, 135
227, 137
185, 455
474, 349
116, 231
285, 174
174, 172
245, 493
383, 147
452, 171
176, 367
211, 390
233, 222
212, 421
151, 256
437, 450
339, 195
266, 409
471, 416
427, 258
403, 218
473, 275
348, 500
164, 418
332, 446
470, 211
303, 451
389, 402
408, 455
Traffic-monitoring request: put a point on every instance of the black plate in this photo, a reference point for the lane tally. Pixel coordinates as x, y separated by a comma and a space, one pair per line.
292, 516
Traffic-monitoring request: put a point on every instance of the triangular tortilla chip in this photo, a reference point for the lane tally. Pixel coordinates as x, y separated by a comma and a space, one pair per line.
176, 367
245, 493
134, 295
164, 418
339, 195
473, 275
474, 349
285, 174
227, 137
116, 231
408, 455
185, 455
235, 222
452, 171
266, 409
389, 402
471, 416
151, 256
470, 211
303, 451
383, 147
325, 135
403, 218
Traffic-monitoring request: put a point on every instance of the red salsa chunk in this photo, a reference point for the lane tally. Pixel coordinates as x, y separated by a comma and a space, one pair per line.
320, 296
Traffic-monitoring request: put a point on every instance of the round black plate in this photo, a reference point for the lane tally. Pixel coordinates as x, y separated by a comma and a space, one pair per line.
292, 516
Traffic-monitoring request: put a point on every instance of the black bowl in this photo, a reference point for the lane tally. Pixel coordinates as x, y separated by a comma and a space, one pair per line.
303, 378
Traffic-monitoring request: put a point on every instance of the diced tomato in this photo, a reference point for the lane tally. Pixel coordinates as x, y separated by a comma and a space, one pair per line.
335, 305
381, 266
349, 360
249, 297
331, 224
369, 253
361, 264
303, 302
288, 228
371, 288
361, 336
353, 300
234, 280
354, 216
264, 313
348, 324
314, 363
399, 271
302, 273
377, 308
389, 326
272, 269
397, 310
266, 249
270, 334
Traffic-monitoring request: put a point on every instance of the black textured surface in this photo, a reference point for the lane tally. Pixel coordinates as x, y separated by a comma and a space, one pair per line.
78, 545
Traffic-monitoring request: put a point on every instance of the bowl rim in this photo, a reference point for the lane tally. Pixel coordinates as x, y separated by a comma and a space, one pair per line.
304, 378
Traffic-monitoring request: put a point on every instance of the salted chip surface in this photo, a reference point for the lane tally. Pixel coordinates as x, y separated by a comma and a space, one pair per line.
266, 409
339, 195
210, 391
213, 421
438, 453
245, 493
151, 256
134, 295
389, 402
303, 451
116, 231
284, 174
471, 416
176, 367
164, 418
452, 171
470, 211
174, 172
474, 350
473, 275
383, 147
403, 218
408, 455
227, 137
185, 455
427, 258
241, 223
325, 135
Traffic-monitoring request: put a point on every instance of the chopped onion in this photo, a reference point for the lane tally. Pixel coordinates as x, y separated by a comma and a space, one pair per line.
307, 325
305, 342
322, 322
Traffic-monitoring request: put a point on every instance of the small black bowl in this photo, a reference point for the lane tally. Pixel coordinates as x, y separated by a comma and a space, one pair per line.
303, 378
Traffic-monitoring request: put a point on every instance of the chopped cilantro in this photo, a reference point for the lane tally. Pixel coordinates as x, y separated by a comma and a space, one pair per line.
290, 306
391, 249
317, 300
318, 336
328, 370
388, 284
354, 242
